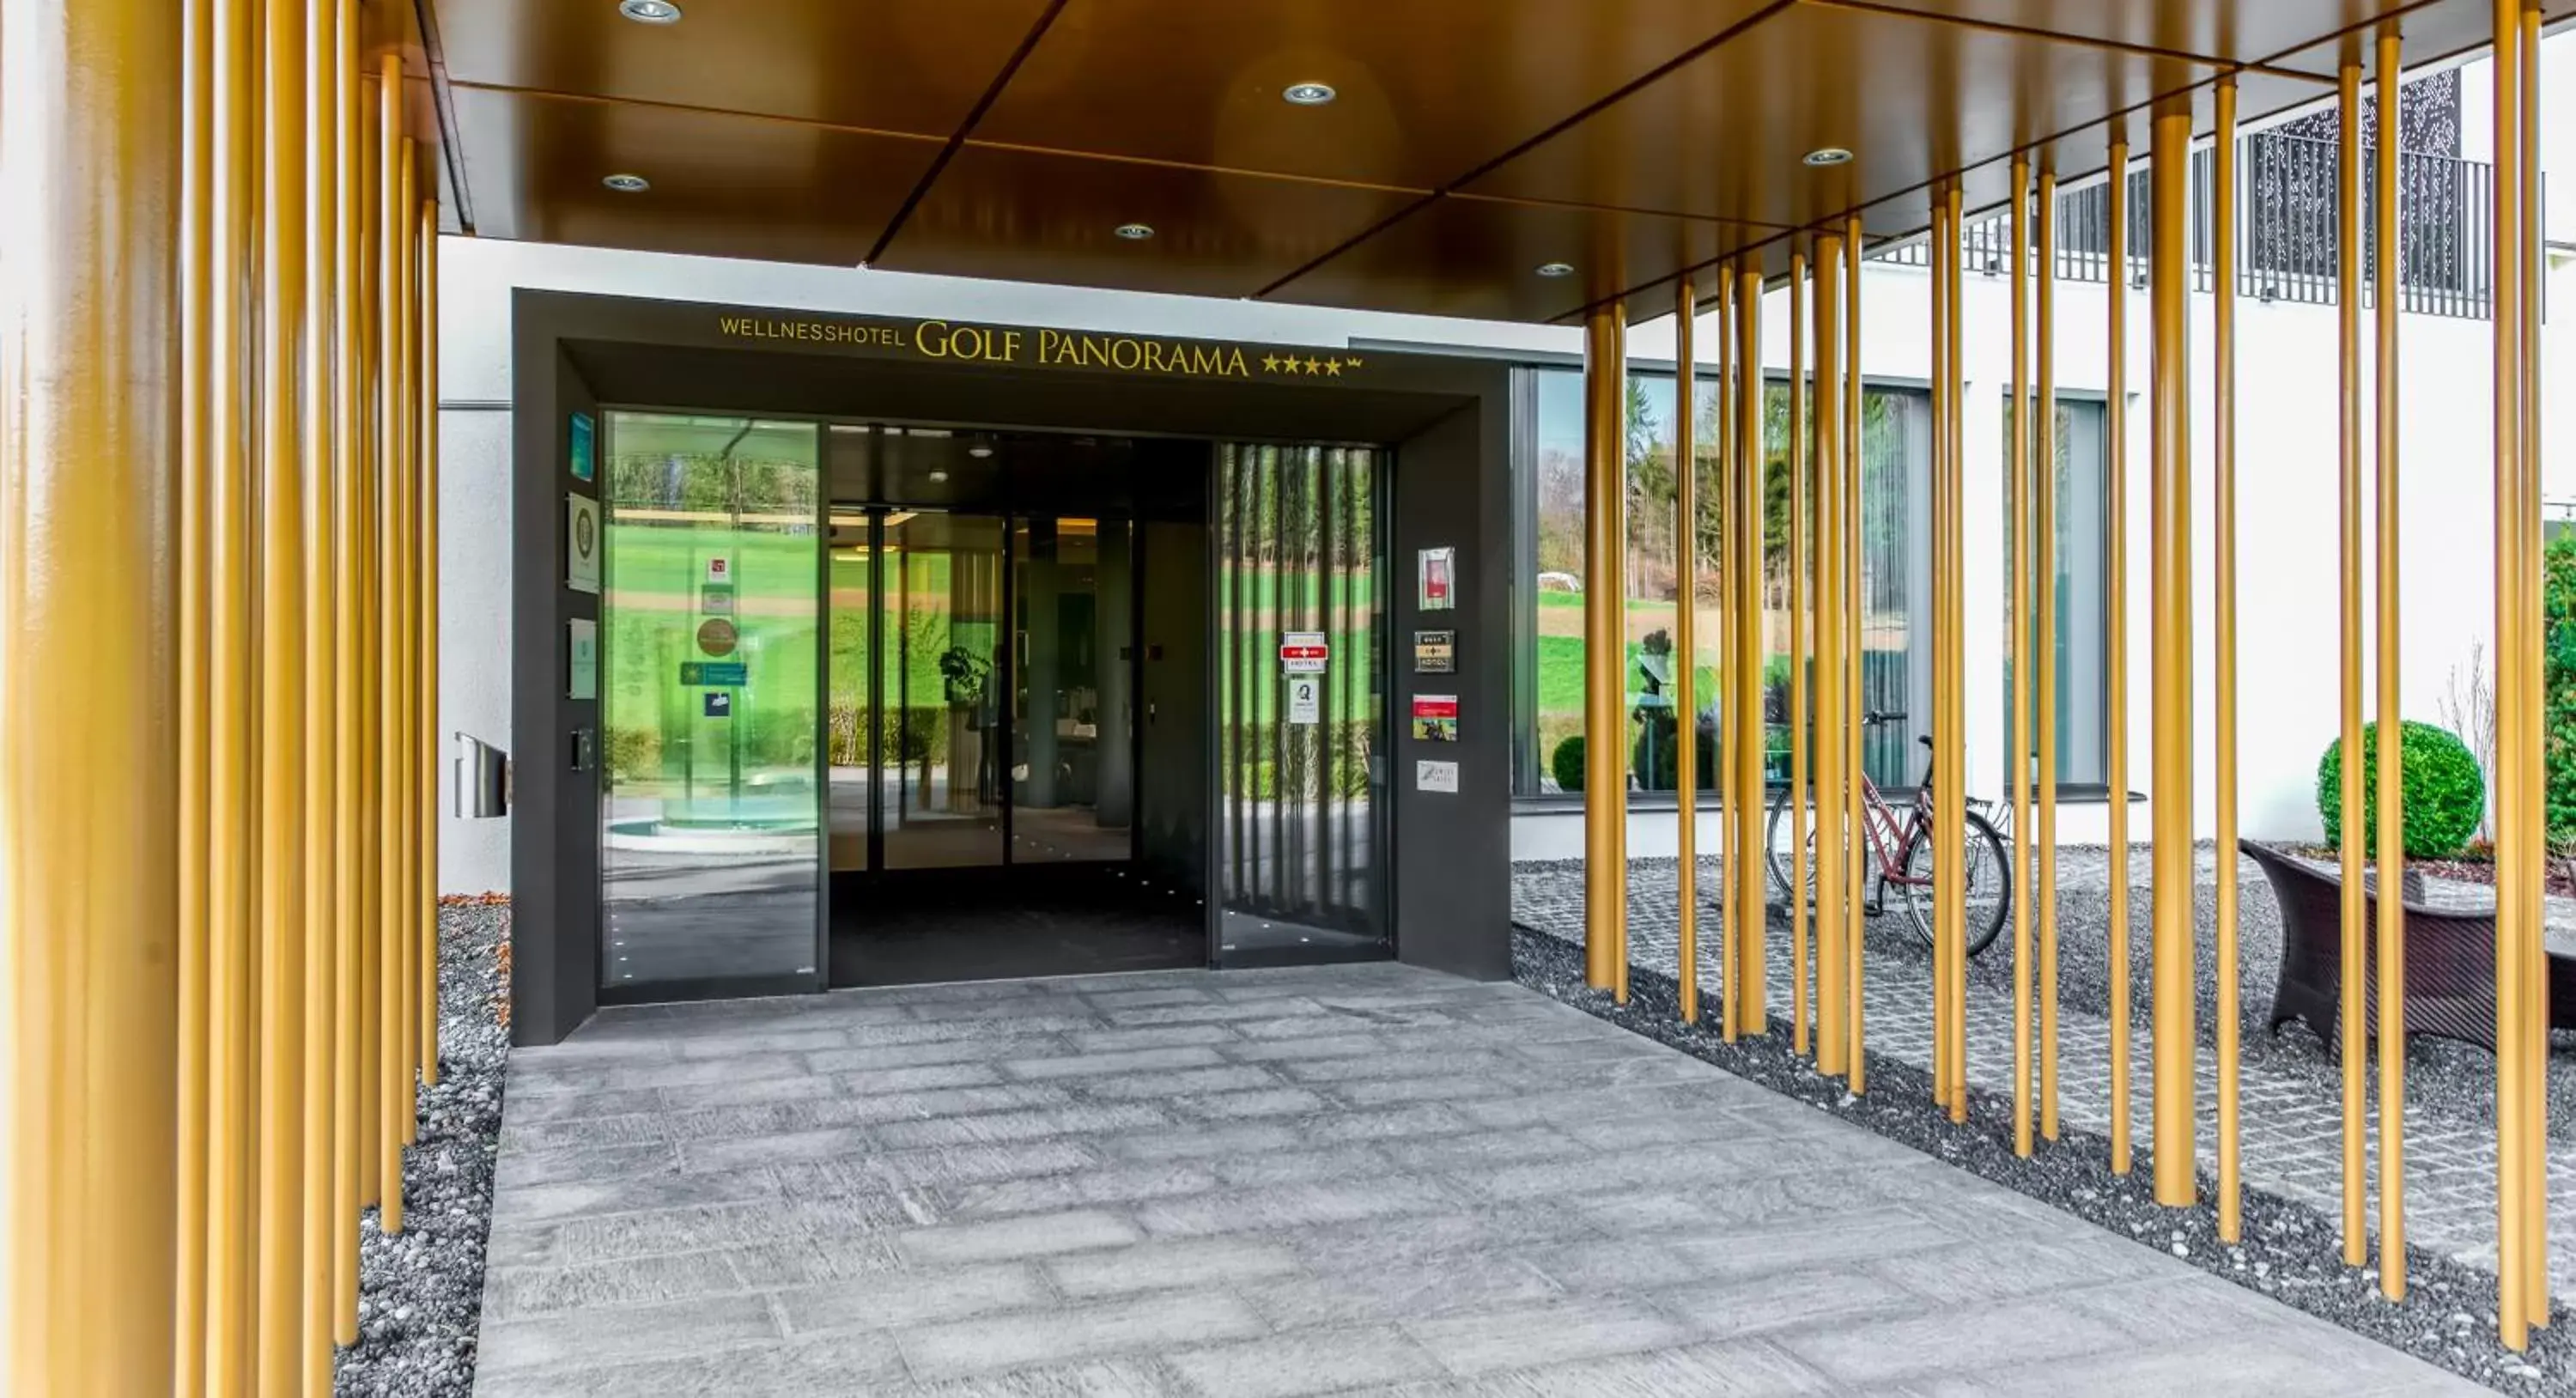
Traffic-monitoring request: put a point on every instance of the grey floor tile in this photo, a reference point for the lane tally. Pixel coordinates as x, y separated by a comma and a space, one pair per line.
844, 1365
1164, 1266
1139, 1326
516, 1293
1032, 1235
582, 1338
1110, 1378
914, 1298
1521, 1337
1307, 1362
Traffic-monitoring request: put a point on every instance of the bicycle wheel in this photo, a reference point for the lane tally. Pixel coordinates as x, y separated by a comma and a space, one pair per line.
1989, 882
1776, 854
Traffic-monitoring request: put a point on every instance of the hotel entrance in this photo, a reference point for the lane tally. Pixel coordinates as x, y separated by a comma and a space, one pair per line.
892, 703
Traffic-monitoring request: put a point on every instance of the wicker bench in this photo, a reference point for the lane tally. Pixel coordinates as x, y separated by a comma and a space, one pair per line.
2450, 957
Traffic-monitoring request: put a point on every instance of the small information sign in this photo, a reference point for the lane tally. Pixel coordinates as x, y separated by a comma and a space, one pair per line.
1435, 718
1303, 652
719, 703
1436, 776
1435, 652
1305, 699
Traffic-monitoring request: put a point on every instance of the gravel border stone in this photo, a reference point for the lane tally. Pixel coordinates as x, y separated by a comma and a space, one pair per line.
2291, 1252
420, 1291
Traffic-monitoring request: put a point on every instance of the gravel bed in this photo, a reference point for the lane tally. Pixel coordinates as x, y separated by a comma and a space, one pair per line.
2291, 1252
420, 1292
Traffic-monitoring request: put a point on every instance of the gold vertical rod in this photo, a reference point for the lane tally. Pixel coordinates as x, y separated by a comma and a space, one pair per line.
1796, 800
1605, 780
282, 713
90, 188
2535, 1178
2017, 505
1752, 468
1941, 410
2352, 1026
2391, 812
232, 1024
349, 908
1730, 927
1832, 1040
2231, 1202
2169, 273
2043, 534
1686, 636
399, 230
1950, 785
196, 721
1851, 596
425, 430
321, 206
2115, 630
393, 1101
2516, 681
372, 1072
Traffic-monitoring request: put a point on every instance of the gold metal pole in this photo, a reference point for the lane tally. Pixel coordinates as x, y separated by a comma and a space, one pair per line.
233, 669
1686, 634
2115, 630
2017, 504
372, 1079
2351, 1010
319, 412
1857, 925
2391, 813
405, 925
283, 811
2169, 271
2535, 970
2231, 1203
1605, 780
197, 387
2517, 647
1832, 1046
349, 530
1951, 788
1943, 406
425, 430
90, 183
1730, 1017
1795, 802
1752, 467
394, 1100
2042, 880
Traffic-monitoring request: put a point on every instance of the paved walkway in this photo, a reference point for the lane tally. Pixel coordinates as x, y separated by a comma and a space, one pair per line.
1357, 1178
2292, 1118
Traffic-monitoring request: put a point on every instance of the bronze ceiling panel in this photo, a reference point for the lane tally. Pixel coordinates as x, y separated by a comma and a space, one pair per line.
1466, 256
2433, 31
722, 185
915, 66
2234, 31
1426, 91
1038, 216
1725, 137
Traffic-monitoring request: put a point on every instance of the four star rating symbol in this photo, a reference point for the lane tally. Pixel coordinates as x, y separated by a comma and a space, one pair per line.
1308, 365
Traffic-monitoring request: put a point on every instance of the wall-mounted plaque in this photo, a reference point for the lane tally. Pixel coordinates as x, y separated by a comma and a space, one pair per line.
1436, 776
581, 543
581, 658
1435, 652
1435, 718
1436, 580
585, 447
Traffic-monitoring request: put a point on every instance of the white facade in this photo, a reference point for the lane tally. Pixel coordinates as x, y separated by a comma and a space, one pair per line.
2287, 475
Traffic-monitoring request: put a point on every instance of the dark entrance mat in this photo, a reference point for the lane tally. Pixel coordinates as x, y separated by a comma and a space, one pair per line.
990, 924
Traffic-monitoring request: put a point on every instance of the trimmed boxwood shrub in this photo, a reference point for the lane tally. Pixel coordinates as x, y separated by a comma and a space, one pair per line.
1567, 764
2445, 791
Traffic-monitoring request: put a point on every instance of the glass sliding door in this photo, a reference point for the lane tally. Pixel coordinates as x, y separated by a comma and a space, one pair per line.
1072, 754
938, 760
711, 707
1301, 800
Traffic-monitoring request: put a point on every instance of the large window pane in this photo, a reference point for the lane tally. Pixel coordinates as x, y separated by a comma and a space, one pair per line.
709, 617
2081, 643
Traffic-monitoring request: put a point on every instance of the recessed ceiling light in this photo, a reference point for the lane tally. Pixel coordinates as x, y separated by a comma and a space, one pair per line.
1829, 155
1134, 232
628, 184
1309, 94
650, 11
1556, 269
979, 451
939, 478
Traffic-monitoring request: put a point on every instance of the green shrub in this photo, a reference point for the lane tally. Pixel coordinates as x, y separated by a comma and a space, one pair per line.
2445, 792
1567, 763
2558, 698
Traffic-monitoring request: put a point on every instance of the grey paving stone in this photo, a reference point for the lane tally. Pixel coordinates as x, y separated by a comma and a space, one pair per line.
1395, 1290
578, 1338
1112, 1378
539, 1203
953, 1164
914, 1298
514, 1293
1768, 1300
1520, 1337
844, 1365
994, 1127
1034, 1235
881, 1057
1166, 1265
1142, 1325
1877, 1353
1732, 1369
1249, 1105
1291, 1206
802, 1261
1153, 1060
1143, 1086
1313, 1361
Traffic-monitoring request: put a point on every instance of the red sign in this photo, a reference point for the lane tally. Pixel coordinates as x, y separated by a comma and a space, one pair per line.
1303, 652
1435, 706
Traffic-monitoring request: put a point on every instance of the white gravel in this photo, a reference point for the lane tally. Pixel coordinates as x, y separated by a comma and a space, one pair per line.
420, 1292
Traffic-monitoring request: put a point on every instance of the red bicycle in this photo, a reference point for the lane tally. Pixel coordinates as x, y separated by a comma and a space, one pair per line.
1900, 854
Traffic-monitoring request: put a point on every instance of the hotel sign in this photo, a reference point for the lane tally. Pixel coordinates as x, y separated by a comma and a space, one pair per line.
959, 342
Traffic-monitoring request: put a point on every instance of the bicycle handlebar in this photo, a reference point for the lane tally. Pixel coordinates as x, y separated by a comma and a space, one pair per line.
1880, 718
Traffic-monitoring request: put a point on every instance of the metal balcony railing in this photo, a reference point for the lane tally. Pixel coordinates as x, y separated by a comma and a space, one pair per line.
2285, 232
